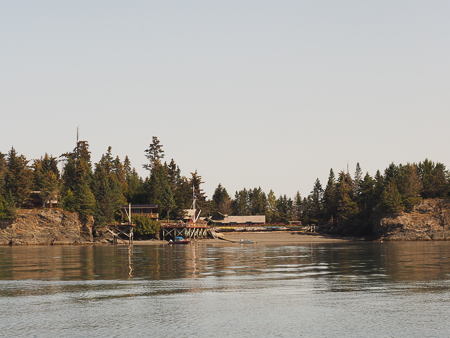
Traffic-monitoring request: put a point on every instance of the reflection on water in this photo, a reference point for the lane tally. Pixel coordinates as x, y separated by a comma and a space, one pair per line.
260, 290
417, 261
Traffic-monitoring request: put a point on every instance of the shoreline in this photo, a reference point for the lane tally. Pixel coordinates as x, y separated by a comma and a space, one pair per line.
267, 238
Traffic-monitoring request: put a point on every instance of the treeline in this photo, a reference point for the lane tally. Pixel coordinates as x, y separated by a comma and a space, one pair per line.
345, 198
99, 189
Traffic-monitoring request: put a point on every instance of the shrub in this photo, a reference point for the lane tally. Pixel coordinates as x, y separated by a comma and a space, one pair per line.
145, 225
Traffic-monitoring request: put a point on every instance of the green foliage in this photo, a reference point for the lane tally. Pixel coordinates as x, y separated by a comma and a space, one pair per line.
18, 177
145, 225
329, 198
221, 201
158, 189
154, 154
315, 210
46, 178
7, 208
114, 183
434, 177
366, 196
68, 202
347, 207
391, 200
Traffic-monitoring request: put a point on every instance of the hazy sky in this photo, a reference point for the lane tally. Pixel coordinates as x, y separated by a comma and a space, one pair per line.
249, 93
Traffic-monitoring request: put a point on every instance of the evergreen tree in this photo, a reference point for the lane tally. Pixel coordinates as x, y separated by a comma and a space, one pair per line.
367, 199
284, 207
174, 175
196, 182
306, 210
240, 203
257, 201
221, 200
409, 185
46, 178
18, 178
357, 180
104, 209
379, 186
2, 172
159, 191
127, 168
272, 213
298, 207
391, 200
154, 154
434, 179
182, 197
329, 198
347, 208
120, 174
83, 196
316, 202
390, 174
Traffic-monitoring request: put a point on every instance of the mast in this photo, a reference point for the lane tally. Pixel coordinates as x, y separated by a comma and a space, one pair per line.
193, 204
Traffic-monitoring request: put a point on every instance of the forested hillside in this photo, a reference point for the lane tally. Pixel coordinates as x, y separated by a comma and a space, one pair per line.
99, 189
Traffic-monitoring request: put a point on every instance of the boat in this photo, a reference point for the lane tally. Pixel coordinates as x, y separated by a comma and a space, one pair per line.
248, 241
179, 240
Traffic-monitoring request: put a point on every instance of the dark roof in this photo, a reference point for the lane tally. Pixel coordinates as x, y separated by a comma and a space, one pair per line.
140, 206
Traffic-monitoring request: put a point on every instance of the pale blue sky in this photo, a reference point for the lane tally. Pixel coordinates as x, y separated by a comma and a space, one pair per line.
249, 93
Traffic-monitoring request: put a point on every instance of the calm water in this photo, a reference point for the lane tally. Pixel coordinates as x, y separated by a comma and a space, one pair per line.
314, 290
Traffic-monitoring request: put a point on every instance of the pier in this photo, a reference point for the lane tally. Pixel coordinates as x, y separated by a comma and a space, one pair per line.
124, 229
186, 231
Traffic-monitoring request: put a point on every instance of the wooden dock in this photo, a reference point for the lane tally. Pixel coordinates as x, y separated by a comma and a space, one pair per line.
170, 231
124, 229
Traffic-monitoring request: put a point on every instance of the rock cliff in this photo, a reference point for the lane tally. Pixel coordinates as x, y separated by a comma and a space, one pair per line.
429, 220
46, 226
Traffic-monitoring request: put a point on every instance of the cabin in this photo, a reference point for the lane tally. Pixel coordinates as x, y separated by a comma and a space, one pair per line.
149, 210
35, 200
225, 220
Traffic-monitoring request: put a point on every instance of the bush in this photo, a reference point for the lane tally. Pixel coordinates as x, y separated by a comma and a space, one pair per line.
7, 209
145, 225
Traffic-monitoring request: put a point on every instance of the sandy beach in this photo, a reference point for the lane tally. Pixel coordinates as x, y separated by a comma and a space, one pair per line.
271, 238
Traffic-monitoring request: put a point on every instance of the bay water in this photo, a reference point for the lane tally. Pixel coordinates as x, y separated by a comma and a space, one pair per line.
358, 289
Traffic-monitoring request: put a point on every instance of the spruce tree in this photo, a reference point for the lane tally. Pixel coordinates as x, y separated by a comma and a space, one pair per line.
18, 178
391, 200
298, 207
182, 197
357, 180
221, 200
240, 203
329, 198
316, 202
257, 201
83, 196
347, 207
2, 172
154, 154
366, 198
272, 214
196, 182
409, 186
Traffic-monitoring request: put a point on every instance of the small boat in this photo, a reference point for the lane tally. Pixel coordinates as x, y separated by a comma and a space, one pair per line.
248, 241
179, 240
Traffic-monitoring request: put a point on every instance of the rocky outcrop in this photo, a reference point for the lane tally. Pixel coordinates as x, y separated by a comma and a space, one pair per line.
46, 226
429, 220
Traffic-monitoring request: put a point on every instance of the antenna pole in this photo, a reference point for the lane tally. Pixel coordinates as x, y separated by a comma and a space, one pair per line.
193, 206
